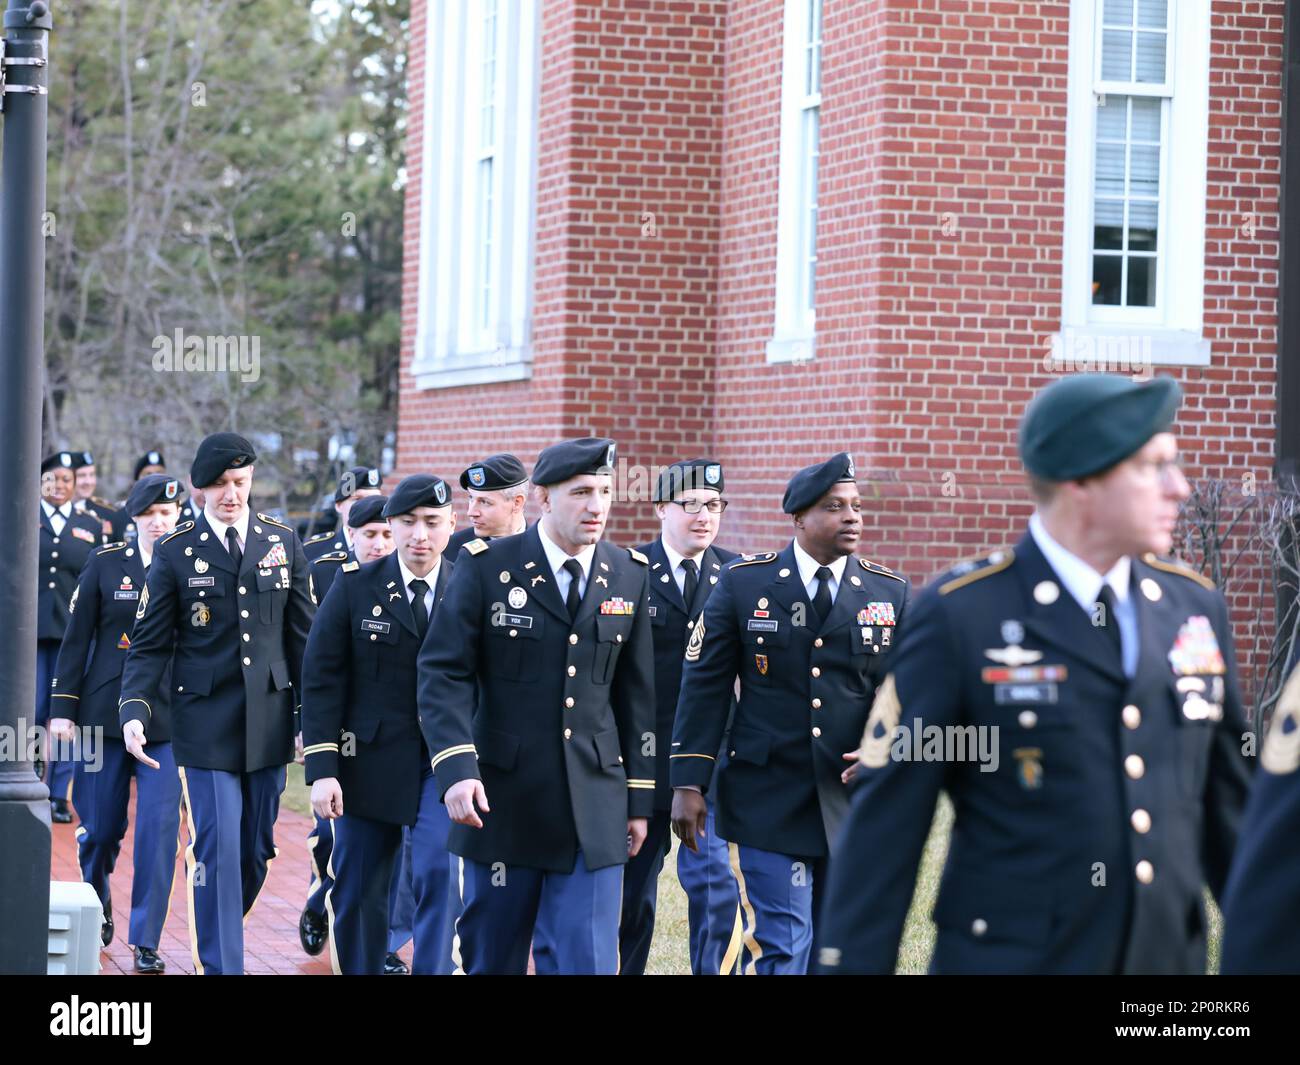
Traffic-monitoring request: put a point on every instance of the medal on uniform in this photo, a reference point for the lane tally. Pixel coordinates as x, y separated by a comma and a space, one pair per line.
1195, 648
200, 566
618, 607
275, 557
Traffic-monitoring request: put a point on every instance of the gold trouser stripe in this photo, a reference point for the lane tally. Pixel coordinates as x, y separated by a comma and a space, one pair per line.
335, 967
751, 940
189, 872
464, 748
457, 966
728, 967
171, 884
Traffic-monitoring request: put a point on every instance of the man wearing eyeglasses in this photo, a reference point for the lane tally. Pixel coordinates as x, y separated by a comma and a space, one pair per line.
808, 632
684, 569
1103, 679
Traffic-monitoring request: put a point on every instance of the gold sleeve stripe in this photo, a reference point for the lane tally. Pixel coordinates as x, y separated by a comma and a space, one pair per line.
127, 702
64, 695
641, 784
451, 752
317, 748
708, 756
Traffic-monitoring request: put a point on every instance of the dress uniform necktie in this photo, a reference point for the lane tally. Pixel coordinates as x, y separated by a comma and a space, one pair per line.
1109, 622
232, 542
420, 589
822, 599
691, 583
574, 569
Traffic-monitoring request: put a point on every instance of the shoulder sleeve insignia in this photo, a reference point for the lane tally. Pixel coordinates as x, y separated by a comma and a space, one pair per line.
318, 538
271, 521
476, 547
1281, 753
986, 567
879, 733
349, 567
638, 556
696, 643
183, 527
876, 567
112, 547
1178, 568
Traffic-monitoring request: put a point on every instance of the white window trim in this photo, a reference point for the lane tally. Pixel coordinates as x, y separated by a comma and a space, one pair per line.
794, 328
449, 352
1174, 336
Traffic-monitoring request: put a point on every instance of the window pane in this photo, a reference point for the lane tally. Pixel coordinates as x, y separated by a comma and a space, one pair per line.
1117, 13
1151, 57
1153, 13
1116, 55
1110, 170
1143, 218
1111, 117
1106, 279
1144, 171
1108, 225
1146, 119
1141, 282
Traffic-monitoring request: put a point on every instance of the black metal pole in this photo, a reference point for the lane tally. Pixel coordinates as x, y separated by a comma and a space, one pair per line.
24, 800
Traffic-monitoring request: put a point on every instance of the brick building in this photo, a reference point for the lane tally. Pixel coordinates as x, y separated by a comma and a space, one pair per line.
768, 230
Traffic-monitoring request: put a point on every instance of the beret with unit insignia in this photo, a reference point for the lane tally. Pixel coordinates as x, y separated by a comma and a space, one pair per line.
217, 454
573, 458
357, 478
58, 460
493, 474
812, 482
155, 488
417, 490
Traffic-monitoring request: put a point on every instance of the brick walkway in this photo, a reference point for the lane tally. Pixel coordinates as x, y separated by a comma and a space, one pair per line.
270, 933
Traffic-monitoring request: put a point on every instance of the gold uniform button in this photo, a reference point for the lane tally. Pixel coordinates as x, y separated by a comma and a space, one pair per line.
568, 733
248, 661
816, 671
573, 637
618, 637
180, 687
56, 539
979, 926
816, 704
1132, 716
54, 569
568, 703
1134, 766
1146, 872
817, 642
1027, 719
54, 554
816, 733
1141, 821
572, 671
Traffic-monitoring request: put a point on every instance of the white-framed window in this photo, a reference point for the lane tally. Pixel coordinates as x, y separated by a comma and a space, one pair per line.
796, 238
1133, 276
477, 193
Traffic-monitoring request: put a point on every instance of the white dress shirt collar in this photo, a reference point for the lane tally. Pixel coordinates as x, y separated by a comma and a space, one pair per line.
219, 528
1080, 579
556, 556
430, 578
808, 567
65, 511
675, 565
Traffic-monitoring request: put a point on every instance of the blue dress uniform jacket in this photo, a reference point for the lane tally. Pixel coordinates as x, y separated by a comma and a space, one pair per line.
1260, 931
233, 675
553, 714
88, 674
671, 621
325, 568
61, 560
1135, 783
324, 544
460, 538
805, 692
359, 688
112, 523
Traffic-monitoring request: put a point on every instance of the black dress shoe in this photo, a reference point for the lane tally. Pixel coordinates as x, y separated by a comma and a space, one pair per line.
147, 961
313, 928
106, 931
394, 966
59, 812
38, 767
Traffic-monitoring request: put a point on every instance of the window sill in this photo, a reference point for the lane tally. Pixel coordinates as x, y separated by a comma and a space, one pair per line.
474, 368
791, 348
1128, 349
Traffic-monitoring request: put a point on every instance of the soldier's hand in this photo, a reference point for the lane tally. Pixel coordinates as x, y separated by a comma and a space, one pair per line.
298, 756
856, 758
62, 728
133, 737
327, 798
461, 799
688, 814
636, 833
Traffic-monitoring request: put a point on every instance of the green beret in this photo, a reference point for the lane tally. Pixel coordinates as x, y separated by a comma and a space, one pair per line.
1086, 423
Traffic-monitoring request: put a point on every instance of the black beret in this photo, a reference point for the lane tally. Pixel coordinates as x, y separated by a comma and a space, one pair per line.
149, 458
156, 488
59, 460
418, 490
687, 474
493, 474
357, 477
366, 510
572, 458
1086, 423
82, 458
217, 454
812, 482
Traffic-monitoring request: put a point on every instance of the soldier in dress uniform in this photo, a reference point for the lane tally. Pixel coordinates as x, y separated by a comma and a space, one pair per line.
366, 762
808, 632
113, 522
86, 690
1076, 696
1260, 930
230, 597
498, 491
358, 483
149, 462
68, 538
372, 539
684, 569
537, 697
